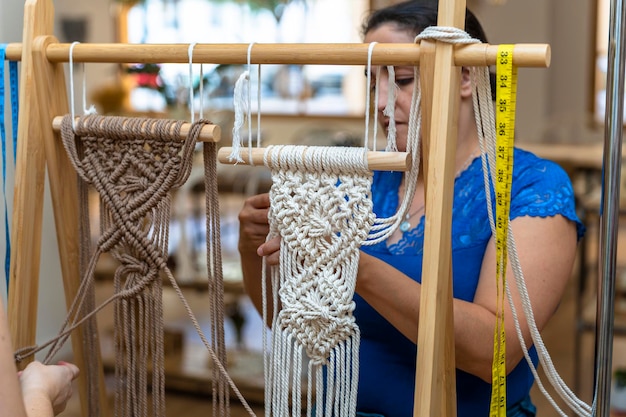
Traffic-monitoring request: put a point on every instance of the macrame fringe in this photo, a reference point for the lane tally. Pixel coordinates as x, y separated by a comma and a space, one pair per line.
335, 381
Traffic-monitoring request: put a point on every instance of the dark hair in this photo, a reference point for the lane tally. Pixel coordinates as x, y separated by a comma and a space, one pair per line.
417, 15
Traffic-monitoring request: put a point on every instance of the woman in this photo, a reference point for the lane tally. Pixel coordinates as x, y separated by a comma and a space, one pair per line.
543, 221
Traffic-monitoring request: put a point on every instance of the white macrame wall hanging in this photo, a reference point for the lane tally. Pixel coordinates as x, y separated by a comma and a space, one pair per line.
321, 208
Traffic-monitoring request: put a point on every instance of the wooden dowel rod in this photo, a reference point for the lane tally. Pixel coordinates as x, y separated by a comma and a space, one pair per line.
209, 133
381, 161
525, 55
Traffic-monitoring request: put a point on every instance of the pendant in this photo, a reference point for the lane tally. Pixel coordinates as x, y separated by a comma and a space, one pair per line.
405, 226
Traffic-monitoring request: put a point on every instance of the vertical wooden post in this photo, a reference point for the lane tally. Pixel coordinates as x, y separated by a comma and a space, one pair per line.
29, 187
52, 99
43, 96
435, 377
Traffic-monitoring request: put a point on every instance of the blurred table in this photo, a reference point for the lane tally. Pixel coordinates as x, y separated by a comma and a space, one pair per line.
571, 156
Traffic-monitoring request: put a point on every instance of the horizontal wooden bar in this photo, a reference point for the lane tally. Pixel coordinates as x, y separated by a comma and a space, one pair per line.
524, 55
376, 160
209, 133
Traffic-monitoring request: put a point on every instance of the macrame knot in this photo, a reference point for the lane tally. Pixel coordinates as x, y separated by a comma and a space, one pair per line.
318, 227
25, 352
134, 184
134, 276
446, 34
318, 326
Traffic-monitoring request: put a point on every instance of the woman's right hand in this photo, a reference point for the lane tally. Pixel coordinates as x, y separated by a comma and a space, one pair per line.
253, 224
254, 227
253, 230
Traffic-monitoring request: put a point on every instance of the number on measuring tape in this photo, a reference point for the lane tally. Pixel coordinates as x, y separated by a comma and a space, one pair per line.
506, 89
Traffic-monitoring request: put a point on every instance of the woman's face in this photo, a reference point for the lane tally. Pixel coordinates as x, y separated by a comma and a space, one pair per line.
404, 78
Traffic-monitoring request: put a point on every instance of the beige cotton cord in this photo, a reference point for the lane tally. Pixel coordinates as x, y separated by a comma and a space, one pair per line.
485, 122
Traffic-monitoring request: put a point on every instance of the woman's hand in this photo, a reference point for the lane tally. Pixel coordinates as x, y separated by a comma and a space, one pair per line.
254, 227
253, 230
271, 250
253, 224
47, 388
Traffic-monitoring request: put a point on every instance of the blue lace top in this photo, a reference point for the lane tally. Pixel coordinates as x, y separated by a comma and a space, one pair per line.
387, 372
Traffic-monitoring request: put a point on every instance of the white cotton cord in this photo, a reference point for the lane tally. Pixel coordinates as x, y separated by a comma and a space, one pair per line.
309, 390
447, 34
485, 121
375, 109
240, 110
483, 109
265, 331
268, 365
249, 97
201, 86
242, 104
328, 399
258, 112
384, 227
390, 109
191, 101
71, 65
415, 121
368, 89
577, 405
92, 108
201, 91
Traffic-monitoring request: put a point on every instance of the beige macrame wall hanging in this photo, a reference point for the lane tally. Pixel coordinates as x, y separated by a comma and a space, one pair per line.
134, 164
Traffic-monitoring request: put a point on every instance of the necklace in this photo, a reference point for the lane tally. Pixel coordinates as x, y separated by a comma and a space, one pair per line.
405, 226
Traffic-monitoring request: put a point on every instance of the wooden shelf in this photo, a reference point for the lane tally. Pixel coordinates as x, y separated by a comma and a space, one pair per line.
190, 369
233, 284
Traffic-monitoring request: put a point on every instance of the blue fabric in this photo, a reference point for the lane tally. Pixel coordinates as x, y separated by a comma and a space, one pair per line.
387, 358
13, 86
524, 408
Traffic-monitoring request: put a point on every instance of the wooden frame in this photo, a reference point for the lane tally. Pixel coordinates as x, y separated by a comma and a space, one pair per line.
43, 96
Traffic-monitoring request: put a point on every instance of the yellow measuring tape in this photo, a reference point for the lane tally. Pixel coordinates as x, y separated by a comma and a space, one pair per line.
506, 90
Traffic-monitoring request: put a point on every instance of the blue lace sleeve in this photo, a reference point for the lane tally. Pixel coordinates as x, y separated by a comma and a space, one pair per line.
541, 188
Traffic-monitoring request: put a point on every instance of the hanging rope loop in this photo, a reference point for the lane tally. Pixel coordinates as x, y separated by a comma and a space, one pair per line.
446, 34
